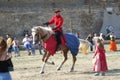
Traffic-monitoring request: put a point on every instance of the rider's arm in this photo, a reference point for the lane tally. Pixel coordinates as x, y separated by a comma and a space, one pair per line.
51, 21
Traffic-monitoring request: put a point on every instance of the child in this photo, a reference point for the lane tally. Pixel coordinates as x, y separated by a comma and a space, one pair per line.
100, 64
5, 61
15, 44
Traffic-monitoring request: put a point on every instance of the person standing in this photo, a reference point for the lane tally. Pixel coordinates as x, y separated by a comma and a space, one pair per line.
6, 64
32, 46
15, 44
90, 39
57, 20
27, 45
95, 37
9, 44
100, 64
113, 46
41, 48
101, 37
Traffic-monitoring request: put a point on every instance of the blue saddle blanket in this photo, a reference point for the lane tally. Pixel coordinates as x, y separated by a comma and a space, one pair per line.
72, 43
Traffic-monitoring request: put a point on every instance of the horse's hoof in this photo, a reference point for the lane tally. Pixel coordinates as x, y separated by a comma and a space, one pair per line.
58, 69
71, 70
53, 63
42, 72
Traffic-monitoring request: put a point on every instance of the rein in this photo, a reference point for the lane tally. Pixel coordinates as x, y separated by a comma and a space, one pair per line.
45, 35
42, 37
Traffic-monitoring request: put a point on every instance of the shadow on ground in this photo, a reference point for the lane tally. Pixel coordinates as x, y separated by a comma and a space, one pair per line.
112, 72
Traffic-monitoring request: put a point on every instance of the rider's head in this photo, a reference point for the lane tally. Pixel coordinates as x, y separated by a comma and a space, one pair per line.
57, 12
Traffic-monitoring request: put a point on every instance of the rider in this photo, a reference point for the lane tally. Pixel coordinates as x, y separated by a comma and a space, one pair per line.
57, 20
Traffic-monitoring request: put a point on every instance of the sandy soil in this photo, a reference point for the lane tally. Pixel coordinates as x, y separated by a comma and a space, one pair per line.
28, 67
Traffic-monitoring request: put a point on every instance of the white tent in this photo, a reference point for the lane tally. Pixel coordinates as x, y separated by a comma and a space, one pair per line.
112, 22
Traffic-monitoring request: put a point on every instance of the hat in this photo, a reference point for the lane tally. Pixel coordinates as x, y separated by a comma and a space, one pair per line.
56, 11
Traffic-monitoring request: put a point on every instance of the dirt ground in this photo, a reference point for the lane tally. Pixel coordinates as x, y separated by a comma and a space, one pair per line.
28, 67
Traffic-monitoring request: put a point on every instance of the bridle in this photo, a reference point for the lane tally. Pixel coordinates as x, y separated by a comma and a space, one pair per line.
40, 34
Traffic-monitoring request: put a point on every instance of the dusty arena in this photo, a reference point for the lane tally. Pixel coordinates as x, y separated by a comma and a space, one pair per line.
28, 67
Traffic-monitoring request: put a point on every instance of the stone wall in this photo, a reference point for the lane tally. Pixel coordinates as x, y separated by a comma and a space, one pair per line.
15, 19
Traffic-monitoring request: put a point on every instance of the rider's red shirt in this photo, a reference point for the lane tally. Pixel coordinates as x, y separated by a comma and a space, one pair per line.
57, 21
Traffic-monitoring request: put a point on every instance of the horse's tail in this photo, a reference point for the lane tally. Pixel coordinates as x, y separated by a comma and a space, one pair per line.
84, 46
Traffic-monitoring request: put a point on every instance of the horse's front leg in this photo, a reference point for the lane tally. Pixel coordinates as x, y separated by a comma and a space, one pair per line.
46, 57
74, 60
65, 58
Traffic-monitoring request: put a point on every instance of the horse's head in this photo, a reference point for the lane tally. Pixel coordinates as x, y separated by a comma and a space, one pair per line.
41, 33
35, 34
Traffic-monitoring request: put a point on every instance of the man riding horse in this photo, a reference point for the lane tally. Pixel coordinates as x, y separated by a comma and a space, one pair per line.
57, 20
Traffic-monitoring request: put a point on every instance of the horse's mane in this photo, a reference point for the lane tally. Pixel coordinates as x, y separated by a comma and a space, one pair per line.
43, 28
46, 28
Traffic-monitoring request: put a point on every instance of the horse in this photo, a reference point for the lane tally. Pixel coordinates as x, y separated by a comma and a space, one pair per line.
44, 34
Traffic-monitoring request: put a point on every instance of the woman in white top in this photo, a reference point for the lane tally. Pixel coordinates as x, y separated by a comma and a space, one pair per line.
27, 44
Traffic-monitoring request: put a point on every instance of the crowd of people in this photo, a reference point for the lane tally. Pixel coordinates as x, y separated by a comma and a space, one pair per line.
13, 45
93, 37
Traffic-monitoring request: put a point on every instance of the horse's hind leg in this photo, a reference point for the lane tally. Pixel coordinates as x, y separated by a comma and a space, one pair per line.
74, 60
65, 58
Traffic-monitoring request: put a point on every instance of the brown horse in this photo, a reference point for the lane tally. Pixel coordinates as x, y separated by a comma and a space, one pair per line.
44, 33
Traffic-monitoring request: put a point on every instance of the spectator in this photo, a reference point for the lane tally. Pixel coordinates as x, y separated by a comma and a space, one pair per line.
100, 64
41, 48
32, 46
113, 46
95, 37
90, 39
15, 44
9, 44
5, 61
101, 37
27, 45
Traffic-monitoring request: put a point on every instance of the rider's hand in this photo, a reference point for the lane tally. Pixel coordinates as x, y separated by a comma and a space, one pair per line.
45, 23
54, 28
